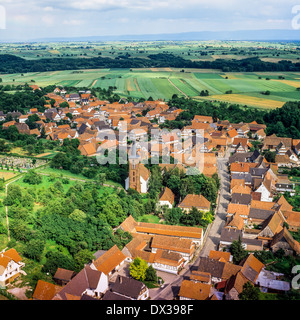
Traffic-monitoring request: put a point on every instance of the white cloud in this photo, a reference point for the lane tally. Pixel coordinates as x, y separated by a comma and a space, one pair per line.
48, 20
48, 9
105, 17
73, 22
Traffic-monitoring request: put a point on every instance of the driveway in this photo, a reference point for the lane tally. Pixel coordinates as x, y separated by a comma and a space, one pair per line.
19, 292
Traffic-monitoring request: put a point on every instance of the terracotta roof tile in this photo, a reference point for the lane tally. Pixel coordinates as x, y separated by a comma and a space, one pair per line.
173, 244
45, 290
167, 195
218, 254
109, 260
194, 290
195, 200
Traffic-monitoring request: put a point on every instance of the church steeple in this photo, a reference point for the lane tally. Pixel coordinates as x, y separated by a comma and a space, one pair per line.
134, 169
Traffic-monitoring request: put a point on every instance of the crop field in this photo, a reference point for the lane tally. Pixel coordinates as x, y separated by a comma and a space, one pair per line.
257, 89
193, 50
161, 83
8, 174
248, 100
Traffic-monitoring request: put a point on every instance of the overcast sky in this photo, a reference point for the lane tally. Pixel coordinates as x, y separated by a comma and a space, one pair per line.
30, 19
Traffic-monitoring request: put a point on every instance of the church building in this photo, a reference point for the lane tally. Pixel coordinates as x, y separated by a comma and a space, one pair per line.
138, 174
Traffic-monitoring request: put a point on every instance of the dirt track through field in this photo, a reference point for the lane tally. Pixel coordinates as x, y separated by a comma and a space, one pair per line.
177, 88
137, 85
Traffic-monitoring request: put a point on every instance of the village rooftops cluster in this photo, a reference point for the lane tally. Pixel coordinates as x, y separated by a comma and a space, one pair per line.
166, 248
217, 278
252, 214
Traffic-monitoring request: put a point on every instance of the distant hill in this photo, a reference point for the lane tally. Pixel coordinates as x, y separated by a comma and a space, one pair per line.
242, 35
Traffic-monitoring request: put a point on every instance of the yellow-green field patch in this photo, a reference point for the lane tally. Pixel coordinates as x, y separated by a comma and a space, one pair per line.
7, 174
247, 100
291, 83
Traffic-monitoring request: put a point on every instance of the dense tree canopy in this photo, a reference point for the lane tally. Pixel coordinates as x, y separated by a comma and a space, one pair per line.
14, 64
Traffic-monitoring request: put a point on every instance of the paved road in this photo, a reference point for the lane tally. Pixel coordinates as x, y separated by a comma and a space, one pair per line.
171, 290
214, 234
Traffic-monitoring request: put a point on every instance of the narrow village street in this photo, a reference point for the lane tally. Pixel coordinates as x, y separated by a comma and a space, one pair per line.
214, 234
171, 289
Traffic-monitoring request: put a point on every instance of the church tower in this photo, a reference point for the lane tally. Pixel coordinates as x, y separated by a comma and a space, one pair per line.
134, 169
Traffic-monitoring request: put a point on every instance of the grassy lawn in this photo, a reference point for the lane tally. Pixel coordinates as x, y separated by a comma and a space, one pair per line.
45, 184
67, 174
149, 218
269, 296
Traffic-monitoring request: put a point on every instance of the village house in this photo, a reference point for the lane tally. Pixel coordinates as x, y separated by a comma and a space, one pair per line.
190, 290
193, 233
212, 266
269, 281
194, 200
45, 291
160, 259
185, 247
251, 268
272, 142
127, 288
88, 281
228, 235
284, 184
63, 276
10, 266
166, 198
284, 240
109, 262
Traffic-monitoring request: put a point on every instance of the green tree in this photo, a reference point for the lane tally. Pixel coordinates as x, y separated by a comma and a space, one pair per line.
249, 292
101, 178
4, 147
34, 249
155, 182
173, 215
237, 250
151, 274
30, 149
78, 215
14, 195
138, 269
56, 260
32, 177
270, 156
81, 258
61, 160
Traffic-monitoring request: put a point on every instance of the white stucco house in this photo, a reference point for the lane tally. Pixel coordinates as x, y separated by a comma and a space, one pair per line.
10, 266
266, 193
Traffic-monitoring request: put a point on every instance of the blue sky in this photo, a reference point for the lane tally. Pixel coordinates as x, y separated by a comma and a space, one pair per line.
30, 19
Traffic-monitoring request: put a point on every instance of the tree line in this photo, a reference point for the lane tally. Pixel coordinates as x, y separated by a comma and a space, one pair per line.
13, 64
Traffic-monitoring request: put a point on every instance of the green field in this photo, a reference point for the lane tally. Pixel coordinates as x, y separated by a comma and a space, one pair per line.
194, 50
164, 82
